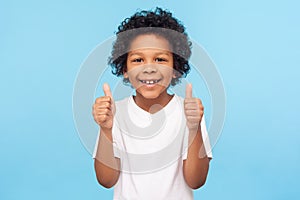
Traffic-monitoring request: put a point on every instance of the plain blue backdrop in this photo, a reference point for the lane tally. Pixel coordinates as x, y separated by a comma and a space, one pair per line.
255, 45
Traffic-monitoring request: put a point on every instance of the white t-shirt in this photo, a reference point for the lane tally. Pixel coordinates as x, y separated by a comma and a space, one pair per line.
152, 148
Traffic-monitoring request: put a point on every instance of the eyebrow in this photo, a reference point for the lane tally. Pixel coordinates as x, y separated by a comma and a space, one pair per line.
140, 53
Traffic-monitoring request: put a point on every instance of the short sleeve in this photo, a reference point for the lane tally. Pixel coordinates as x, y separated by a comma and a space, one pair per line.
116, 142
96, 145
205, 139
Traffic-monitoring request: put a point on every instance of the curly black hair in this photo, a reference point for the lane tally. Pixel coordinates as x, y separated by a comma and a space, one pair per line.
158, 22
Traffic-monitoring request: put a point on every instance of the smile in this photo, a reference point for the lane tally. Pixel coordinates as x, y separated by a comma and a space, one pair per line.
150, 82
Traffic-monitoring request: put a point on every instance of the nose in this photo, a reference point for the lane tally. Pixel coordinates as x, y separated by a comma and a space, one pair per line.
149, 69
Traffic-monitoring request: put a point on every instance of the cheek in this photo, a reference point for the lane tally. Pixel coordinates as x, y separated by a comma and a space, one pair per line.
131, 75
168, 72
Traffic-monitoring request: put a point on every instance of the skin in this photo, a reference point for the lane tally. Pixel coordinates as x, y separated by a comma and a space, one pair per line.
150, 59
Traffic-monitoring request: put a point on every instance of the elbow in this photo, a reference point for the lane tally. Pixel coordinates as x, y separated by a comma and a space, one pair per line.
195, 177
106, 184
106, 177
106, 181
195, 180
196, 185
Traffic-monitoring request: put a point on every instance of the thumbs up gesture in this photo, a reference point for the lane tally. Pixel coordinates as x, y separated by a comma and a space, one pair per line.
193, 109
103, 109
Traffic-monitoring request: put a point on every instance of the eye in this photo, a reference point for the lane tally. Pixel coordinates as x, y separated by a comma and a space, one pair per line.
137, 60
161, 60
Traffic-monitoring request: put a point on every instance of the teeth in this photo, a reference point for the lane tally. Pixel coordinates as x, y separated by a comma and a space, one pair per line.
149, 81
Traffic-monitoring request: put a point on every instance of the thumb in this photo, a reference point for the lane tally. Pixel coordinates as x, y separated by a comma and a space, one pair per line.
106, 90
188, 91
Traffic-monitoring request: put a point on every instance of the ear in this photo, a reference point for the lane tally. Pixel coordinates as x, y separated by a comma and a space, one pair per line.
125, 74
174, 74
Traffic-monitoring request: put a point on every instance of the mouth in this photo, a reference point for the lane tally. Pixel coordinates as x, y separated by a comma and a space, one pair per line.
150, 82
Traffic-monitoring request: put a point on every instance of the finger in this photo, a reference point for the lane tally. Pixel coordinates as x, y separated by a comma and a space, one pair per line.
192, 112
193, 106
193, 119
104, 99
102, 111
190, 105
106, 90
188, 91
102, 105
192, 100
102, 118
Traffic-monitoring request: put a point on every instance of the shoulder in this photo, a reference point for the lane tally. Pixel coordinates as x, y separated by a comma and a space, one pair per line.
123, 102
178, 99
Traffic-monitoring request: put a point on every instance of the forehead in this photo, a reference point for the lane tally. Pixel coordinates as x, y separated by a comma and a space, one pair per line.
150, 41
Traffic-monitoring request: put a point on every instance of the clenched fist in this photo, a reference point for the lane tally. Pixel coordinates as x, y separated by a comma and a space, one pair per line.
103, 109
193, 109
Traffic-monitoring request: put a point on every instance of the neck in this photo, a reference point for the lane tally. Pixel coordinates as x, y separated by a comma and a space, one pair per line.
153, 105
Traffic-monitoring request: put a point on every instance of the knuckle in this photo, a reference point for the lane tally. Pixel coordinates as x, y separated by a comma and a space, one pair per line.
102, 99
107, 104
102, 118
105, 110
106, 98
98, 100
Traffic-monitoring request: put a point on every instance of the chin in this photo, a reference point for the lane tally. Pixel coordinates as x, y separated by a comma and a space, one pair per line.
150, 96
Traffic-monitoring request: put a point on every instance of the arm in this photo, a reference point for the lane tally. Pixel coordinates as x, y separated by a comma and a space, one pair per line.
108, 173
195, 167
107, 167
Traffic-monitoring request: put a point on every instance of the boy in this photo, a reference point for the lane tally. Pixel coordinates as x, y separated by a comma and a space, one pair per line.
151, 59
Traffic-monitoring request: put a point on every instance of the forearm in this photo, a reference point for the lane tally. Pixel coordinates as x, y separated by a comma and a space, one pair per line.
106, 165
195, 167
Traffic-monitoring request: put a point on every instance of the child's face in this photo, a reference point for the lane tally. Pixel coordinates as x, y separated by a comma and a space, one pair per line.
150, 65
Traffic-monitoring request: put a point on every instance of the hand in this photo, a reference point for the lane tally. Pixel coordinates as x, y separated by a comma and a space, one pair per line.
193, 109
104, 108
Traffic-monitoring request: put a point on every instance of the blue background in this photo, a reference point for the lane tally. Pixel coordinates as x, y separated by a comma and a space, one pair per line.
255, 45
